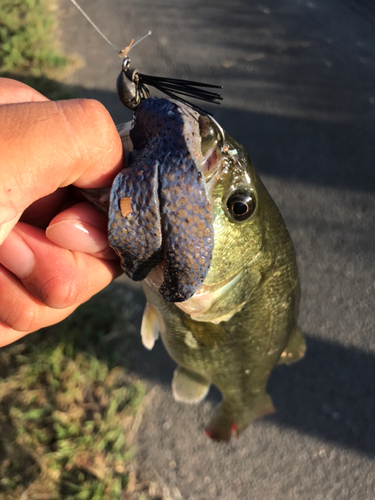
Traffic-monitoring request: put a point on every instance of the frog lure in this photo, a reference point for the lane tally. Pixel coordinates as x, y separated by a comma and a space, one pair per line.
159, 208
190, 218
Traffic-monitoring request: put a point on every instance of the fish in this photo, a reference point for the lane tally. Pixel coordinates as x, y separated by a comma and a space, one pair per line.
238, 319
190, 218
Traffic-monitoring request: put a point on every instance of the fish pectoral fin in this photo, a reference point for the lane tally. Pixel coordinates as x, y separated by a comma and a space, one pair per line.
188, 386
210, 335
151, 326
295, 348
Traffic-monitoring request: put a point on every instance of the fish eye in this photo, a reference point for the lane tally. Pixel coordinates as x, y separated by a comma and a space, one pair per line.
241, 205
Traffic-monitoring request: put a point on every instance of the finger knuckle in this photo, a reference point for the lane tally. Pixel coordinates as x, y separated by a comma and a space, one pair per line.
24, 318
96, 118
60, 292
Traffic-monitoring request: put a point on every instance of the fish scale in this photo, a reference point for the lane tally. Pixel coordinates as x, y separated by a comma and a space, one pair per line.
242, 322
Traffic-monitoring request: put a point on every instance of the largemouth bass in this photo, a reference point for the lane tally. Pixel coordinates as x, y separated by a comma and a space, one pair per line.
190, 217
230, 324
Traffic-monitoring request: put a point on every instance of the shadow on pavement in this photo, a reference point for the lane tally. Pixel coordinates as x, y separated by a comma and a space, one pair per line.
330, 394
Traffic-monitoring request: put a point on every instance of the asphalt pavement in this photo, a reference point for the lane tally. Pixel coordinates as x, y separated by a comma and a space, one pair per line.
299, 94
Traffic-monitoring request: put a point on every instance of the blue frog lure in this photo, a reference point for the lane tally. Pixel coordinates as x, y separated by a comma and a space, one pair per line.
152, 219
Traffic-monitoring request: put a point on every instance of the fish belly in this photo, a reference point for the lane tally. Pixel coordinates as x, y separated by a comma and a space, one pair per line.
236, 356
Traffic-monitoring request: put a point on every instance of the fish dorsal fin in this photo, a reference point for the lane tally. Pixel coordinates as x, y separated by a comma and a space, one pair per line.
188, 386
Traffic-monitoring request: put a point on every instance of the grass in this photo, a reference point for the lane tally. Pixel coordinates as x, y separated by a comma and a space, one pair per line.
29, 50
68, 405
67, 409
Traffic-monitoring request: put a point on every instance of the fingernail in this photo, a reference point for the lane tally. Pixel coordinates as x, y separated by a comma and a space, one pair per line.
16, 256
78, 236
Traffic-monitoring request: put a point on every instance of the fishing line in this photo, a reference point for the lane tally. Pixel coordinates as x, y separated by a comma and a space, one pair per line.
94, 25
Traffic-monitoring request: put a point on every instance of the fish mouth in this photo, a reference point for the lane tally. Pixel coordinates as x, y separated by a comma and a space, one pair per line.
208, 304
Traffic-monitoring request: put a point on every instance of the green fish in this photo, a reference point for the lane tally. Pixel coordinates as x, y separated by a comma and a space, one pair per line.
236, 318
191, 219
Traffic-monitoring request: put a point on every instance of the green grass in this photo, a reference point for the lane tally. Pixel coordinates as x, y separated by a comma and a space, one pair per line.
67, 409
29, 50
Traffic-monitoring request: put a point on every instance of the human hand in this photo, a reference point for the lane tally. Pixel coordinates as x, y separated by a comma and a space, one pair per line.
45, 148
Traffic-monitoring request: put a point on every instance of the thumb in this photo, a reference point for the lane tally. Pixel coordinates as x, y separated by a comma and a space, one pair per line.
48, 145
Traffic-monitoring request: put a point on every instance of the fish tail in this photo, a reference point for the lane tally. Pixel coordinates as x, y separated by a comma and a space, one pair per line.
228, 420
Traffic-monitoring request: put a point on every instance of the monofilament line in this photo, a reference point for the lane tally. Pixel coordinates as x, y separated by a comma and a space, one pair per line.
94, 25
122, 53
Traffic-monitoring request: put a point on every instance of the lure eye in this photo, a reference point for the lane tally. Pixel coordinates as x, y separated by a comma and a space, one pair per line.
241, 205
